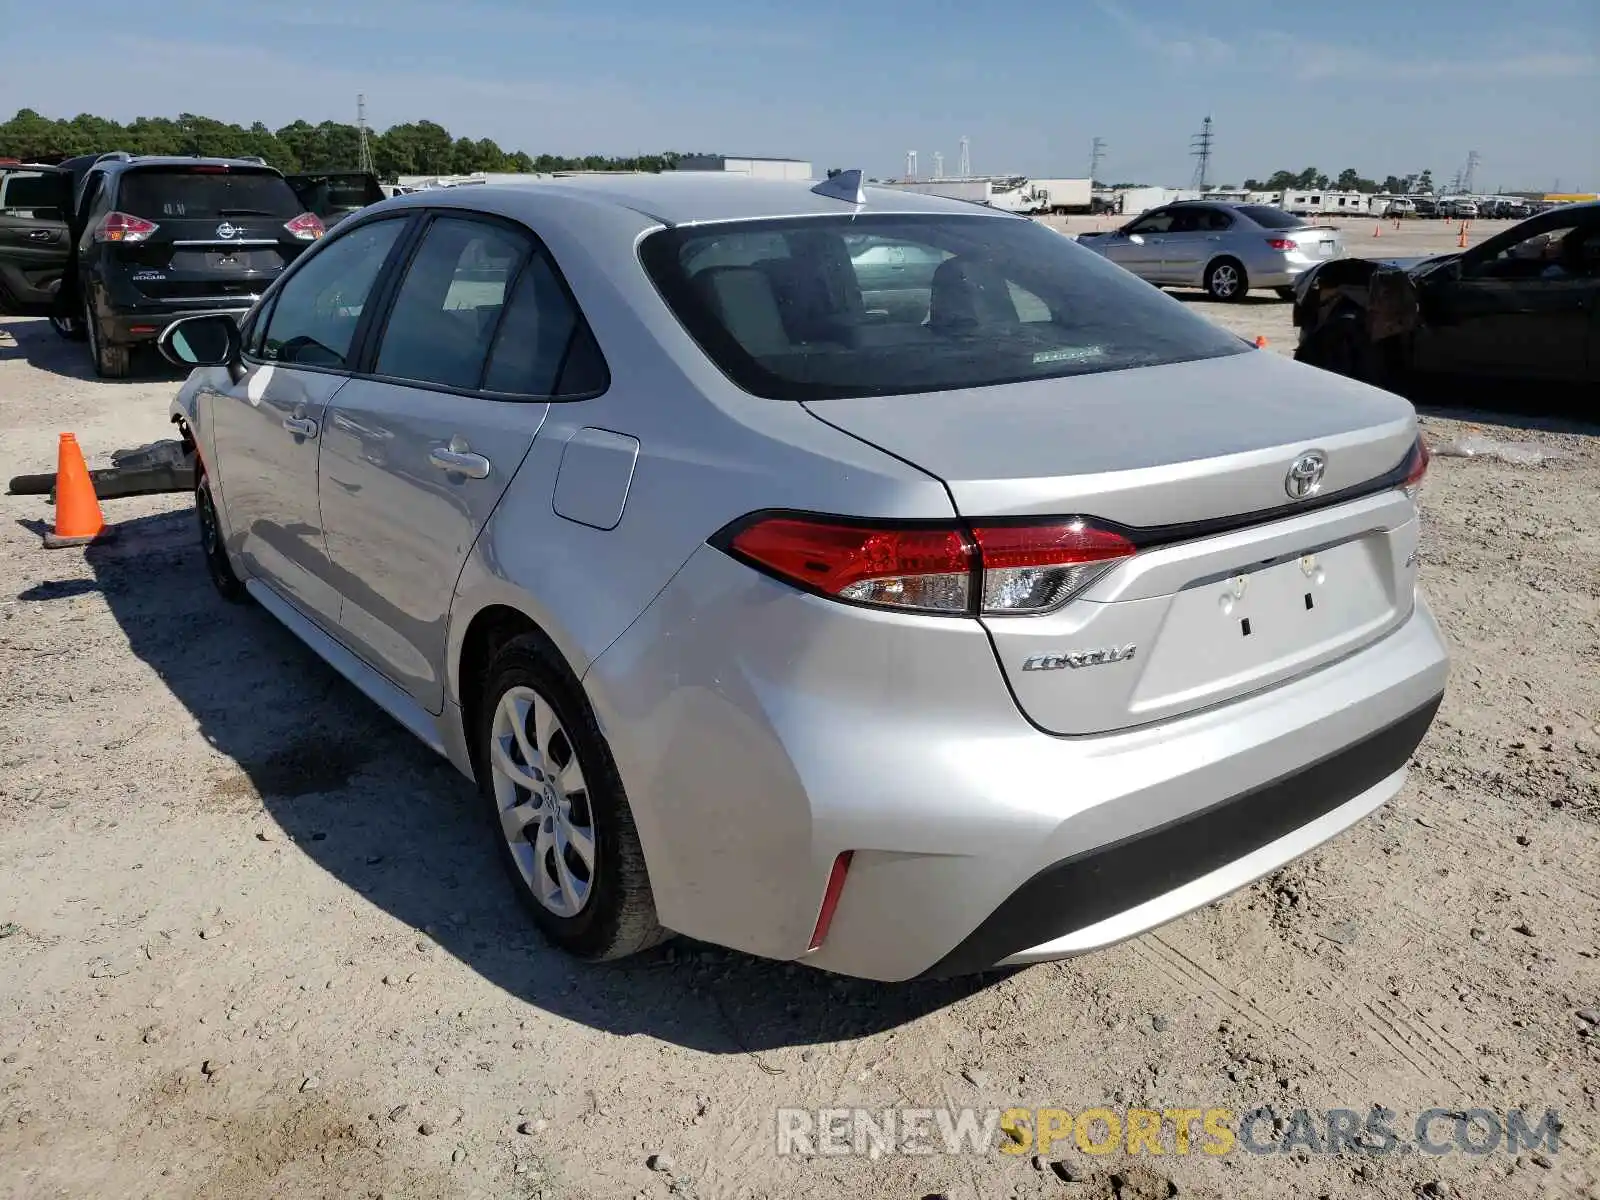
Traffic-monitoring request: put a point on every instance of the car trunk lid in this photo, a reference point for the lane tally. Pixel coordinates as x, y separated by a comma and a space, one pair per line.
1236, 585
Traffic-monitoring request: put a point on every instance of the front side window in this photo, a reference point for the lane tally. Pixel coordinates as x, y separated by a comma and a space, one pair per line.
811, 308
31, 195
314, 318
1569, 251
448, 307
1159, 221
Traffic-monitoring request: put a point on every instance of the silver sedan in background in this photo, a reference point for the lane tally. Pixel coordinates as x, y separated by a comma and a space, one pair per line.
1227, 249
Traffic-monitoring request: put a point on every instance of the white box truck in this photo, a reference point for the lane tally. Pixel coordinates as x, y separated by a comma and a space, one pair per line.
1061, 196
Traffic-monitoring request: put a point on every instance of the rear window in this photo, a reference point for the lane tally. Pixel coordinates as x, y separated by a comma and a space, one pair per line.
206, 195
31, 194
806, 309
1268, 217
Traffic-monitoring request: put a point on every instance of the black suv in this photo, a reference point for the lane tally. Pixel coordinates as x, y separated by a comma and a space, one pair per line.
114, 248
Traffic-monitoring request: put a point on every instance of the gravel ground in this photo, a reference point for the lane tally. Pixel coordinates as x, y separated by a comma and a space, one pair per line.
253, 941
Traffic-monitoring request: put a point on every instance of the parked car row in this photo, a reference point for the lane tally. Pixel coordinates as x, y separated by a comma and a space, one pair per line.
114, 247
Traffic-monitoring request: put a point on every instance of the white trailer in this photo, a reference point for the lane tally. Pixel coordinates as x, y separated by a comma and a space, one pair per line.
1319, 202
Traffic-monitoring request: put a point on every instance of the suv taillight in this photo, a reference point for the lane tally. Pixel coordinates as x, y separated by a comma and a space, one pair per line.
1416, 468
307, 227
937, 568
121, 227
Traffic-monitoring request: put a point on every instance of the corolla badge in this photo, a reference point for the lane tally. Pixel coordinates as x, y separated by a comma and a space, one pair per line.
1080, 658
1305, 475
228, 230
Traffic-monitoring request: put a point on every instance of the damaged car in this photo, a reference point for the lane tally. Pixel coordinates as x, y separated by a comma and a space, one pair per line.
1520, 308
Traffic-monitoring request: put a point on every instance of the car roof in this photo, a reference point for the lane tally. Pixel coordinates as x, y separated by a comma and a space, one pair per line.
688, 197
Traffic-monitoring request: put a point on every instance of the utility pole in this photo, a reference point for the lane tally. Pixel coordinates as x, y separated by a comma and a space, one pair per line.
1097, 151
938, 164
1200, 147
911, 165
364, 162
1473, 159
965, 166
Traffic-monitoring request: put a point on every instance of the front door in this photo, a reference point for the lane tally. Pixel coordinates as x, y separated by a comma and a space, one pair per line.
268, 426
34, 243
1519, 308
418, 453
1138, 246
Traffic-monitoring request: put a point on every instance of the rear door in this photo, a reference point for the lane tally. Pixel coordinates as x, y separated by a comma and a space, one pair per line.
419, 451
1189, 244
221, 232
35, 244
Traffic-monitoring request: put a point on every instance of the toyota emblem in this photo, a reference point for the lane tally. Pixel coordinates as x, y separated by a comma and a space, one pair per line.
1305, 476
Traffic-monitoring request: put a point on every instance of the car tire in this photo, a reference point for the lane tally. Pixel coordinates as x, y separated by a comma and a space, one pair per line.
110, 362
1285, 293
218, 565
1226, 281
551, 789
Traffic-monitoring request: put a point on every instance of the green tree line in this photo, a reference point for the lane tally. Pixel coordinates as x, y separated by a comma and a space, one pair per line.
1348, 180
415, 148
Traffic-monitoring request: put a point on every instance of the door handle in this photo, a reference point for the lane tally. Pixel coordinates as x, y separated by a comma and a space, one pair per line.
459, 461
301, 426
41, 235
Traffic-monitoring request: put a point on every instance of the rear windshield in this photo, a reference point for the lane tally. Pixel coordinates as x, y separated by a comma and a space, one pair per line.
813, 308
1268, 217
332, 193
206, 194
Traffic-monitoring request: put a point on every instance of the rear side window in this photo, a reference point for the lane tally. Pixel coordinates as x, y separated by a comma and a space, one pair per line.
1268, 217
206, 193
804, 309
449, 304
544, 348
314, 317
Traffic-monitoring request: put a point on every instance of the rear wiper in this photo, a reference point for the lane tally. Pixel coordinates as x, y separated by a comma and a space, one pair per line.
243, 212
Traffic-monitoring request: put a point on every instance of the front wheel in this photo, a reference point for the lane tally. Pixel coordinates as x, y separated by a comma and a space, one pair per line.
1225, 280
558, 809
218, 565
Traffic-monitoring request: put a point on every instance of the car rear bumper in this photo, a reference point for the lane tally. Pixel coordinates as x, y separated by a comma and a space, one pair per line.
146, 322
761, 733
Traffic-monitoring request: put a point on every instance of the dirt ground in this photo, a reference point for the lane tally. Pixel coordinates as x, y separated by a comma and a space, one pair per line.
254, 941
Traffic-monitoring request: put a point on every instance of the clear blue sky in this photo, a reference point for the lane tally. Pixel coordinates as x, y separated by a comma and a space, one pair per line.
1378, 86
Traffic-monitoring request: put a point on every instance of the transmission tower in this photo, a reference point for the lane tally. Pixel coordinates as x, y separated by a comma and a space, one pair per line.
938, 164
965, 167
1200, 147
911, 164
1097, 151
1473, 159
365, 150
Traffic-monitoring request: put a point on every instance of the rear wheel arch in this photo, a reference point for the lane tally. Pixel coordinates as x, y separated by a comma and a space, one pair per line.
490, 628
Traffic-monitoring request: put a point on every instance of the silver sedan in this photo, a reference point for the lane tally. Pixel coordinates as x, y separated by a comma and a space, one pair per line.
1227, 249
837, 574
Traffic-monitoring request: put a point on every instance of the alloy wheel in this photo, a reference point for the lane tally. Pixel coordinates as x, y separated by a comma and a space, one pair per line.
543, 801
1224, 280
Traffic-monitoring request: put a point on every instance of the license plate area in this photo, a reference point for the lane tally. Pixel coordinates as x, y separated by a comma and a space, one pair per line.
1268, 622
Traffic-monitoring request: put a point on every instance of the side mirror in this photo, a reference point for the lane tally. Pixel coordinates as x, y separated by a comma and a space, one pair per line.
207, 340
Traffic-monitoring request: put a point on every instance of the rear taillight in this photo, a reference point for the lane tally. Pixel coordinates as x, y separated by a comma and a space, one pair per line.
307, 227
1282, 243
121, 227
1416, 468
954, 569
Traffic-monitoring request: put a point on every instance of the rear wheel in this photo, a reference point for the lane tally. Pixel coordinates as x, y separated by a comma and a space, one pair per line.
110, 362
1226, 280
558, 809
218, 565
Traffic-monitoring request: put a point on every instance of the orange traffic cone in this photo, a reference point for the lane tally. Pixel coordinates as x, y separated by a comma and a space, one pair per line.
1261, 342
78, 519
1377, 230
1462, 240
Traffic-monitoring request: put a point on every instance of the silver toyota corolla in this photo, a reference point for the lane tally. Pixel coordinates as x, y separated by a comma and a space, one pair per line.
847, 576
1223, 247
